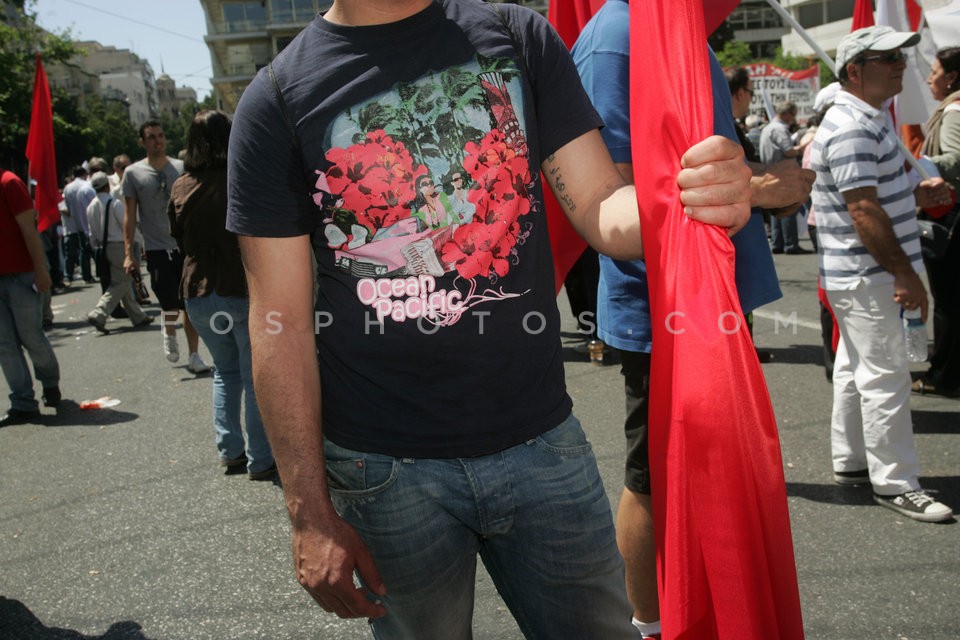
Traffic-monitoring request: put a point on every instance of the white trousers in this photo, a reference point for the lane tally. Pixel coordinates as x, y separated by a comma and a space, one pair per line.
871, 425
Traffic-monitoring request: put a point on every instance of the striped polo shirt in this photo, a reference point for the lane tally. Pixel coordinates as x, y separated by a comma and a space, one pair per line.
855, 148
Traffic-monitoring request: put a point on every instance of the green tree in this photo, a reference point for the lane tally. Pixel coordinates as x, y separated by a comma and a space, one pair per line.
734, 54
20, 39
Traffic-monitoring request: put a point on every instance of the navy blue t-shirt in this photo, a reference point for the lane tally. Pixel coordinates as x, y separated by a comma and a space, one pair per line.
419, 183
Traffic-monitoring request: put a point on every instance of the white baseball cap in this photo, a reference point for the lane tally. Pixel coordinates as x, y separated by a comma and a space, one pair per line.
881, 38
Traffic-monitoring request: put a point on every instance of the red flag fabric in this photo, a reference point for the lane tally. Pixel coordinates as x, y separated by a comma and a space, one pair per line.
40, 152
715, 12
862, 15
914, 13
568, 17
724, 549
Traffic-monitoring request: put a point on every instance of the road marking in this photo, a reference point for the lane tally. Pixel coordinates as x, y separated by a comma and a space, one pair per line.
779, 317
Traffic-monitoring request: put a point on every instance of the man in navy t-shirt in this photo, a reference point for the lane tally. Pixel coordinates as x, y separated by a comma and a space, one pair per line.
437, 425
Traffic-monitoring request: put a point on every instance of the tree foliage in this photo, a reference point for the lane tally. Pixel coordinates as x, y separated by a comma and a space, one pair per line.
734, 54
20, 39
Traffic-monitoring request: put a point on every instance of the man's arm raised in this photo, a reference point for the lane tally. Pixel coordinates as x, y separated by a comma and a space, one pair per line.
714, 182
326, 550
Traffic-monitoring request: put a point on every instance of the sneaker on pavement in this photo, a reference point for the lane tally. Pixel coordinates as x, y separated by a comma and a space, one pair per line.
860, 476
917, 505
196, 365
170, 347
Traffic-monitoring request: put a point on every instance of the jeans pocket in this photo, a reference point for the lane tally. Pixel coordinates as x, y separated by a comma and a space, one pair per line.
356, 474
566, 440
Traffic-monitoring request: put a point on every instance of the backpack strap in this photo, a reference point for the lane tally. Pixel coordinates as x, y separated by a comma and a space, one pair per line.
286, 117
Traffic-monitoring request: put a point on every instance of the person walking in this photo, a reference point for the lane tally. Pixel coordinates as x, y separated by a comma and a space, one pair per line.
105, 216
23, 278
146, 190
214, 291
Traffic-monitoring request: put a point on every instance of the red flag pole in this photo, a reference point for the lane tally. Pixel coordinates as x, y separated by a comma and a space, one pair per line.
40, 151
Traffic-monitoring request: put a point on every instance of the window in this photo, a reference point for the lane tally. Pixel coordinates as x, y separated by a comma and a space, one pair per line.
810, 15
839, 10
244, 16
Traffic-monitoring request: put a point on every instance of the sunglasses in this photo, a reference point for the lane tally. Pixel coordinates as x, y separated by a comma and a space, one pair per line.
886, 58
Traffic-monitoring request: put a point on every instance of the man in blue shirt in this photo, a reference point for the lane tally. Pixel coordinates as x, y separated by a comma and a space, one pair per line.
601, 54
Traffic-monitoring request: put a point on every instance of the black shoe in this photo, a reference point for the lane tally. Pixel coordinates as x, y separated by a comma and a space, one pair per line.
267, 474
796, 251
860, 476
147, 321
16, 416
51, 396
776, 251
240, 460
99, 325
119, 314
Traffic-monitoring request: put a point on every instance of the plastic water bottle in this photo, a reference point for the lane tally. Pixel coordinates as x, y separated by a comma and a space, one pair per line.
100, 403
915, 335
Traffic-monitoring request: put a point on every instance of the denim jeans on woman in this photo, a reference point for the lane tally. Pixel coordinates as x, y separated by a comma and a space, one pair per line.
21, 327
537, 514
222, 324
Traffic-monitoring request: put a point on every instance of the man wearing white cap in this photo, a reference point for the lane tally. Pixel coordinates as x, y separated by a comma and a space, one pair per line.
869, 264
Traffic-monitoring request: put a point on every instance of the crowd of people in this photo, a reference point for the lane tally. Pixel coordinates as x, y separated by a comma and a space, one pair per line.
169, 212
424, 424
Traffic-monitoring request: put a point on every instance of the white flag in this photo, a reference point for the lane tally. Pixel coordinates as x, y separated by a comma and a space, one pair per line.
943, 18
915, 103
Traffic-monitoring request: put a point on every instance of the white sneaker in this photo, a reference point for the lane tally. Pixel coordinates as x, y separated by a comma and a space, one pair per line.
170, 347
197, 365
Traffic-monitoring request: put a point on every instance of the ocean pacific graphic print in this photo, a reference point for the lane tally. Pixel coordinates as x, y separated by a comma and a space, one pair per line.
428, 181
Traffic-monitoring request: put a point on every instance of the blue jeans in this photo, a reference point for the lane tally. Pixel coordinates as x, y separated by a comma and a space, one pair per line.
536, 513
77, 248
21, 327
784, 235
222, 325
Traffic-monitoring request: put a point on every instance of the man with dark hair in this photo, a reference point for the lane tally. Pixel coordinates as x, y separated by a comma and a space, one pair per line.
146, 189
776, 145
23, 278
77, 196
865, 207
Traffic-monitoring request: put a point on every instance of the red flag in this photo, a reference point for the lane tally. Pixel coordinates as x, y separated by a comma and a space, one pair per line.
725, 553
862, 15
40, 153
716, 11
914, 13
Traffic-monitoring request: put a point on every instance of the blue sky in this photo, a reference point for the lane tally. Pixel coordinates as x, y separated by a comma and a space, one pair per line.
167, 33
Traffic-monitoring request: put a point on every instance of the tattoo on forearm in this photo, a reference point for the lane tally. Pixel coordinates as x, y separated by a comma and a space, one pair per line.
559, 188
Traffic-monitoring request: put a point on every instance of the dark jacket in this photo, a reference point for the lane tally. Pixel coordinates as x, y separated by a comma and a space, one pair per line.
198, 216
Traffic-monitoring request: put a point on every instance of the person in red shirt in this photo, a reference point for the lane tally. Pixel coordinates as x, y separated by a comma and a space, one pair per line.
23, 278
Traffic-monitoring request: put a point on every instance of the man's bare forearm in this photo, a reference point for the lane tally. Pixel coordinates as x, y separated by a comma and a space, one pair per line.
878, 236
129, 227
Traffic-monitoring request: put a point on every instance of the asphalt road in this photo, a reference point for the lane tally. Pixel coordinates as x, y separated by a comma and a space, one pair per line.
118, 524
